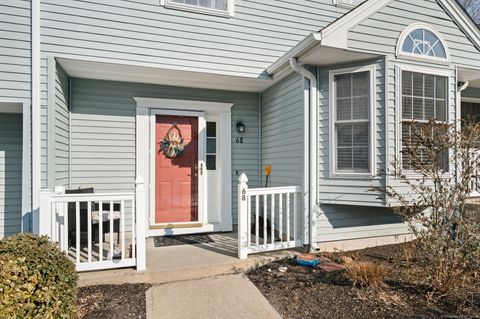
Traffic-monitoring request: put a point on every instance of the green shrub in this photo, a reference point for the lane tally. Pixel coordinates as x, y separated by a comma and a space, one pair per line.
37, 280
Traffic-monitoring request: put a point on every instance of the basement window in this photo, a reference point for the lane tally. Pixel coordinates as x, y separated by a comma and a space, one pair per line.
215, 7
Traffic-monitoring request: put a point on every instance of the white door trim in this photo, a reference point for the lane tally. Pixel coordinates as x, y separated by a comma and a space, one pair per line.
147, 108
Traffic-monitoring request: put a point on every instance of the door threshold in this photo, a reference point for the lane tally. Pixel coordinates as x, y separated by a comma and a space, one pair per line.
183, 225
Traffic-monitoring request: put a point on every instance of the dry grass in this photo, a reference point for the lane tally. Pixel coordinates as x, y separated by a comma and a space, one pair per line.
365, 273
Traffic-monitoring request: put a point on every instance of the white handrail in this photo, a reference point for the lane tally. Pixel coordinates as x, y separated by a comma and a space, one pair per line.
274, 218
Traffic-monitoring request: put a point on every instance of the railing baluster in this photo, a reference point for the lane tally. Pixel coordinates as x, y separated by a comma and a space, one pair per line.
122, 226
249, 219
111, 231
264, 216
65, 230
288, 216
100, 231
272, 222
257, 204
295, 230
77, 231
89, 230
280, 213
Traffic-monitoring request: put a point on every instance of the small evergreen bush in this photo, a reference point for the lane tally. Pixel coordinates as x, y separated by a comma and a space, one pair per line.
37, 280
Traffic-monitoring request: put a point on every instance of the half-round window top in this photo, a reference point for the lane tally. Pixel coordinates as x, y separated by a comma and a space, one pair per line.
422, 41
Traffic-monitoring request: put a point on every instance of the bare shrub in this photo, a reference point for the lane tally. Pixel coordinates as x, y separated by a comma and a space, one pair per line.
365, 273
437, 173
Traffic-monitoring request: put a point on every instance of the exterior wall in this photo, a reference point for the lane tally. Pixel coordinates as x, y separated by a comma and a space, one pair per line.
282, 132
10, 173
350, 190
103, 132
342, 222
259, 33
380, 33
62, 128
15, 56
472, 92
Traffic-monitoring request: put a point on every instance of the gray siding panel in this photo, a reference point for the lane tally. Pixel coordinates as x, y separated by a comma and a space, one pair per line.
348, 190
380, 32
10, 173
340, 222
103, 132
282, 131
15, 50
62, 128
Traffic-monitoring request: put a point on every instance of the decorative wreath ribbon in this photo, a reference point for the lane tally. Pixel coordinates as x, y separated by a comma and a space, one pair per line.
172, 144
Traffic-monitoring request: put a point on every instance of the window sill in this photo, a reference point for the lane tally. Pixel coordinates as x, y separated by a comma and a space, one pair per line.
347, 175
213, 12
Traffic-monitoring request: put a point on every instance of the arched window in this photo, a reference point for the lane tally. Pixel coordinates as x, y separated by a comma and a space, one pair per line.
422, 41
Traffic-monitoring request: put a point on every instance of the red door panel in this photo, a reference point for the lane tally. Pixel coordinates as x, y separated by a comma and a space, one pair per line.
176, 186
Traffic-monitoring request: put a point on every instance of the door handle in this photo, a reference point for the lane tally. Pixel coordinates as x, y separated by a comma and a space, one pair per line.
199, 169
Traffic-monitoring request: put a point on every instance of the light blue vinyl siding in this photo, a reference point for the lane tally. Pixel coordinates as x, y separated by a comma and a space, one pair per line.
15, 50
350, 190
342, 222
380, 32
147, 32
62, 127
10, 173
103, 132
472, 92
282, 132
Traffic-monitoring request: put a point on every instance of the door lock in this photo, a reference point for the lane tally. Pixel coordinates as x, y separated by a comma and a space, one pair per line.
199, 169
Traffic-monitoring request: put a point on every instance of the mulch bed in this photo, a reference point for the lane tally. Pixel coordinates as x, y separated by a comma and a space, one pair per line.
112, 301
303, 292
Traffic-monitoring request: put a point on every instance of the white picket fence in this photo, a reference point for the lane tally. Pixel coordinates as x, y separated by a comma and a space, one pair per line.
267, 218
98, 231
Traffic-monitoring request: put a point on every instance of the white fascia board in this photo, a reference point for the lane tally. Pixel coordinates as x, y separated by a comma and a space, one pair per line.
336, 34
463, 20
303, 46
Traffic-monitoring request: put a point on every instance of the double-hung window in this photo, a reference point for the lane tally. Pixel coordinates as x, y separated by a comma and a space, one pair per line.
423, 98
352, 101
219, 7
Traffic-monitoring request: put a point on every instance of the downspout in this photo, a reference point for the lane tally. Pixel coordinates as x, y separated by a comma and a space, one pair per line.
458, 114
260, 158
310, 165
69, 107
36, 112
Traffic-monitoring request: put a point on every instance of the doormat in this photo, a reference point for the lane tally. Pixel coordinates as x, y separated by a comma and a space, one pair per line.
163, 241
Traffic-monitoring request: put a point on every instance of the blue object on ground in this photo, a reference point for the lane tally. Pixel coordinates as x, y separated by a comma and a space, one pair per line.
307, 263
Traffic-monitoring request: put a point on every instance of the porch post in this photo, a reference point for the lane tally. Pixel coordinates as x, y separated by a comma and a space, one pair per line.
242, 216
140, 222
42, 220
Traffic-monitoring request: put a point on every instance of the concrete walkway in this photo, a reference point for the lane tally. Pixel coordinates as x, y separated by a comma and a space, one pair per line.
186, 262
229, 296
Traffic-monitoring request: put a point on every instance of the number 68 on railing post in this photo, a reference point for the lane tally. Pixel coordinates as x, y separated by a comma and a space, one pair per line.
243, 225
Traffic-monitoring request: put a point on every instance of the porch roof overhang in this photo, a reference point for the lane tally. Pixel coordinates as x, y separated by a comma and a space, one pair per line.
470, 75
318, 49
126, 71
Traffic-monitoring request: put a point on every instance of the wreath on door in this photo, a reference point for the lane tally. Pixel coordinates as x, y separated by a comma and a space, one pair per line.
172, 144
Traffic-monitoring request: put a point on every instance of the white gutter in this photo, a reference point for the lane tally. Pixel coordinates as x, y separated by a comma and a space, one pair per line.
36, 112
310, 165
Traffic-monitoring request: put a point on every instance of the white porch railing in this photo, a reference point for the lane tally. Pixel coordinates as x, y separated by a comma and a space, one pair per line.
475, 179
267, 218
98, 231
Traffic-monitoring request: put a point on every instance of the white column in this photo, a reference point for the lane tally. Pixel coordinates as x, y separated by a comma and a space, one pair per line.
140, 220
242, 216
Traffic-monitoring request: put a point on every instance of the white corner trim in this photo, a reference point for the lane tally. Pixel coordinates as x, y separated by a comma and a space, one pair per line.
399, 53
36, 106
183, 104
372, 122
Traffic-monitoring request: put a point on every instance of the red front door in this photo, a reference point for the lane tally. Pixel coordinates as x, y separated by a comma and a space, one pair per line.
176, 183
